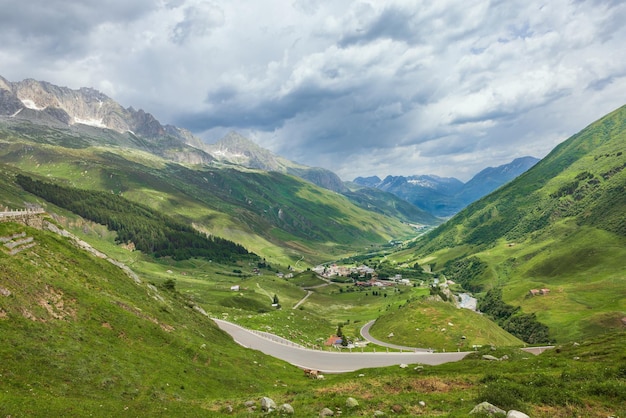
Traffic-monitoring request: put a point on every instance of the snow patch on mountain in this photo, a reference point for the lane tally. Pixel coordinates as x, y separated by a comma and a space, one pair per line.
423, 182
31, 104
90, 122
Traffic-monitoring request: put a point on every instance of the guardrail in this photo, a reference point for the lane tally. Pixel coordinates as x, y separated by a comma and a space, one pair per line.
20, 212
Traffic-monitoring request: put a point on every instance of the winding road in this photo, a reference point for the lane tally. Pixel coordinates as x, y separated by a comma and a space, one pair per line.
325, 361
365, 333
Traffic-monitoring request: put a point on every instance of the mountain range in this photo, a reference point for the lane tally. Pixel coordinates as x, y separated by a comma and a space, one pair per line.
445, 196
93, 118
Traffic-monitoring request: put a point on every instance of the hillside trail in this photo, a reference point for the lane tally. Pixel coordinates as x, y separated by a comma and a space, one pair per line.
265, 292
309, 292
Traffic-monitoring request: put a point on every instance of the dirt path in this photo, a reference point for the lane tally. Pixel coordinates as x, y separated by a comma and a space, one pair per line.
308, 293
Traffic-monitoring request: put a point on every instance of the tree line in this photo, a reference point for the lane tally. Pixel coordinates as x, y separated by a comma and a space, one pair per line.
151, 232
526, 327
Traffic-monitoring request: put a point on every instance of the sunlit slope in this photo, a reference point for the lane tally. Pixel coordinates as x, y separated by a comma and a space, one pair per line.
274, 215
560, 226
79, 335
440, 326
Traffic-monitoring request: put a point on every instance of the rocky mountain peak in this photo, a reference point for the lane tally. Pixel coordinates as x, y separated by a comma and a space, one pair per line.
85, 106
47, 105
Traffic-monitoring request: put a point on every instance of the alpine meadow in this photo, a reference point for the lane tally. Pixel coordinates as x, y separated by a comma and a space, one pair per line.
146, 273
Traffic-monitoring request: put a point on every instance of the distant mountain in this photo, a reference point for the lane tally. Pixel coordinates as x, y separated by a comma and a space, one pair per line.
445, 196
238, 150
85, 117
491, 178
83, 139
372, 181
388, 204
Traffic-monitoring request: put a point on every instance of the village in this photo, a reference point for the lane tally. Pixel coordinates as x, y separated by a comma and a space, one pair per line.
365, 276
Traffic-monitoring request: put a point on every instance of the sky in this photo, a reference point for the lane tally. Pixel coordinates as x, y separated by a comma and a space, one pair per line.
363, 88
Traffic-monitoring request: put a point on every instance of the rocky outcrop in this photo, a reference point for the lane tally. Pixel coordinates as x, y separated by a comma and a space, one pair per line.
88, 111
485, 408
351, 403
286, 409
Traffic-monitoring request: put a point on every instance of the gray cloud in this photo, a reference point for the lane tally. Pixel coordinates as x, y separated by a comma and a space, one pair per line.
61, 28
360, 87
198, 20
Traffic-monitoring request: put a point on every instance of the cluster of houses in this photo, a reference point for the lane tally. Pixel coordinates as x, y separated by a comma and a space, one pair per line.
335, 270
363, 272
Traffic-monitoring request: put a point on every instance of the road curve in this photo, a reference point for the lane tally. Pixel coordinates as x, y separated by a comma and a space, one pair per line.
365, 333
328, 362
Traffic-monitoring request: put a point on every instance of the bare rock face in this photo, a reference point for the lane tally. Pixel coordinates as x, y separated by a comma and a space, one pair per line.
9, 103
85, 106
88, 110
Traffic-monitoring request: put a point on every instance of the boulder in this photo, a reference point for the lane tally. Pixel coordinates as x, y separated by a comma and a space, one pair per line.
326, 412
351, 403
397, 408
267, 404
516, 414
379, 413
422, 403
286, 409
490, 357
487, 408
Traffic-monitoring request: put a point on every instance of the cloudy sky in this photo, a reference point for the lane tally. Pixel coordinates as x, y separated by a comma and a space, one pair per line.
363, 88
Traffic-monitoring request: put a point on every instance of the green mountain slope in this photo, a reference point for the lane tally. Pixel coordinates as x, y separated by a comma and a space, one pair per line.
389, 204
440, 326
80, 336
235, 149
560, 226
272, 214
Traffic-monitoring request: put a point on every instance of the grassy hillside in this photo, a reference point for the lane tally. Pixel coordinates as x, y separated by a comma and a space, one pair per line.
560, 226
80, 336
389, 204
440, 326
274, 215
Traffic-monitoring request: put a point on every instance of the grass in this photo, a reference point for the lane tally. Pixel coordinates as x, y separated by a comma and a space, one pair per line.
119, 350
440, 326
81, 338
279, 217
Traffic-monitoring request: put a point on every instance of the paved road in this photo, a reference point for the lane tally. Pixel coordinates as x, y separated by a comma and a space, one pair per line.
365, 333
325, 361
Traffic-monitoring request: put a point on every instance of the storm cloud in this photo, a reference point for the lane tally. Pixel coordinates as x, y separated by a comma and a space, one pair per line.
363, 88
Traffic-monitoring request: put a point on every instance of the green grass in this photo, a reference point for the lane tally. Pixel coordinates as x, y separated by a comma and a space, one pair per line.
81, 338
119, 350
76, 327
440, 326
277, 216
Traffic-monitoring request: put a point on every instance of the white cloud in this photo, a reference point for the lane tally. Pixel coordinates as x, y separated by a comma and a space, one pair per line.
360, 87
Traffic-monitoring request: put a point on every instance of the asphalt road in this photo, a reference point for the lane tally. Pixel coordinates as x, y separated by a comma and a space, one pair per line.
325, 361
